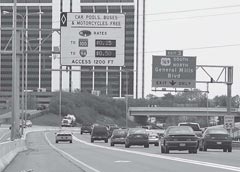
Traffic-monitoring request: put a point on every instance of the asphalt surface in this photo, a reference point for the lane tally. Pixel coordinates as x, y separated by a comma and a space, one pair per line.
45, 155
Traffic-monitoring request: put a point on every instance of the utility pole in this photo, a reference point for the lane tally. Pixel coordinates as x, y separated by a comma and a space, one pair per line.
15, 91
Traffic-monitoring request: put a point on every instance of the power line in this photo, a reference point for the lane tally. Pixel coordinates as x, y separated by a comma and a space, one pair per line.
194, 10
200, 48
194, 17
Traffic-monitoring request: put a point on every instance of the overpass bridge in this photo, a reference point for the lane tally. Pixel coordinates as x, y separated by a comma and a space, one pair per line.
180, 111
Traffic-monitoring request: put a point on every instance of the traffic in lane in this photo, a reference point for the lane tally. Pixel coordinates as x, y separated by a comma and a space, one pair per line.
212, 155
102, 157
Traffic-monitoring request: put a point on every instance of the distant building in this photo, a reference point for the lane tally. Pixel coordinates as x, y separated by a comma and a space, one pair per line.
37, 15
117, 83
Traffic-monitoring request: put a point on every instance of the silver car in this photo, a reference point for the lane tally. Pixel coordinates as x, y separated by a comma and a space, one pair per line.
63, 136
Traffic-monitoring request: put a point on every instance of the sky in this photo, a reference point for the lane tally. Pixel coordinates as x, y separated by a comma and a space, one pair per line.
212, 35
207, 29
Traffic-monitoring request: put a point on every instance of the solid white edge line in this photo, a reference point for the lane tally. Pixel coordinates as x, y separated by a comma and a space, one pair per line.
202, 163
68, 156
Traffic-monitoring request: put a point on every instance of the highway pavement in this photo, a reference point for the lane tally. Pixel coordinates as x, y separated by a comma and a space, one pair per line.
45, 155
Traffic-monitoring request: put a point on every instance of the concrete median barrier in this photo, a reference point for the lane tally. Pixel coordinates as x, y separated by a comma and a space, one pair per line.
8, 150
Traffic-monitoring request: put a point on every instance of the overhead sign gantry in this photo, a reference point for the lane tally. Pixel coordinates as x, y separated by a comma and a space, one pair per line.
92, 39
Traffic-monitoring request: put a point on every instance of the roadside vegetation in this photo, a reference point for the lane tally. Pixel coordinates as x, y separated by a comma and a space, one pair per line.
102, 109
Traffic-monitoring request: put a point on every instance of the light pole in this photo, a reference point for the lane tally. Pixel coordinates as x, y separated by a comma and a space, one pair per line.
23, 18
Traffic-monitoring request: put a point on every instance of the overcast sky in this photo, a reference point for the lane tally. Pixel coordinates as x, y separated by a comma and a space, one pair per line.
216, 26
188, 25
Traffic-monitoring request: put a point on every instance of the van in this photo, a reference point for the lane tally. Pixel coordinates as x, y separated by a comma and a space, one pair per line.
99, 132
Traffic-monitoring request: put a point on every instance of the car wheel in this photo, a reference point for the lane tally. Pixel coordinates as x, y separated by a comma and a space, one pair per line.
146, 146
127, 146
156, 144
112, 144
200, 149
162, 149
106, 140
224, 149
81, 133
230, 149
70, 141
194, 151
190, 151
92, 140
204, 148
166, 150
56, 141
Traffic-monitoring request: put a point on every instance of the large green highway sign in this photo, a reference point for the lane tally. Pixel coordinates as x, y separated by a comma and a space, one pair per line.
174, 71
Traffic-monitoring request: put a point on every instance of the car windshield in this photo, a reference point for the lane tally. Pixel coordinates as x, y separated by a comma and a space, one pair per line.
195, 127
136, 131
119, 132
100, 130
180, 131
217, 131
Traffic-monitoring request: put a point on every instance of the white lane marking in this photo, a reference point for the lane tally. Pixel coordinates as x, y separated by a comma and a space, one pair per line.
202, 163
70, 157
122, 161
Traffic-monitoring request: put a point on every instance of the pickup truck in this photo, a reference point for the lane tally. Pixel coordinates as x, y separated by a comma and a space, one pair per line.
195, 126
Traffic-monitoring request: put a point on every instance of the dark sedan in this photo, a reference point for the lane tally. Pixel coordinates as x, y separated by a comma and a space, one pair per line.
137, 136
179, 138
118, 136
86, 128
216, 138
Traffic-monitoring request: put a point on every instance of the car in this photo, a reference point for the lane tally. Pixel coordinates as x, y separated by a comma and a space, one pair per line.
195, 126
41, 107
216, 138
66, 123
179, 138
22, 123
118, 136
110, 130
153, 137
99, 132
28, 123
63, 136
137, 136
86, 128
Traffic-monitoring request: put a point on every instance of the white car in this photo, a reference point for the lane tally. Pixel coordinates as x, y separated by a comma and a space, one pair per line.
28, 123
153, 137
63, 136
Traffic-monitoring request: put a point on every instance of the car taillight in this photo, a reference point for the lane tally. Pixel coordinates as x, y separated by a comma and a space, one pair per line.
228, 137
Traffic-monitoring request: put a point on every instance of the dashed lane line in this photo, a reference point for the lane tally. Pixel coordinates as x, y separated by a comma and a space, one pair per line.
201, 163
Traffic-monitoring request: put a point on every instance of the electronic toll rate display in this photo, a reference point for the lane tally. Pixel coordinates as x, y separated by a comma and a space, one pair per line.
105, 43
92, 39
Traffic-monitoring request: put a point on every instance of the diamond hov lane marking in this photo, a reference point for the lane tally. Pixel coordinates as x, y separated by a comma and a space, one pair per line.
201, 163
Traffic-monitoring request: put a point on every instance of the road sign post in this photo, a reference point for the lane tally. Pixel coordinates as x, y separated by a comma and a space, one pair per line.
229, 122
92, 39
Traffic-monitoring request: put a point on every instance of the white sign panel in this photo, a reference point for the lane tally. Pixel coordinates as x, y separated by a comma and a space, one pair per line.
92, 39
229, 121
